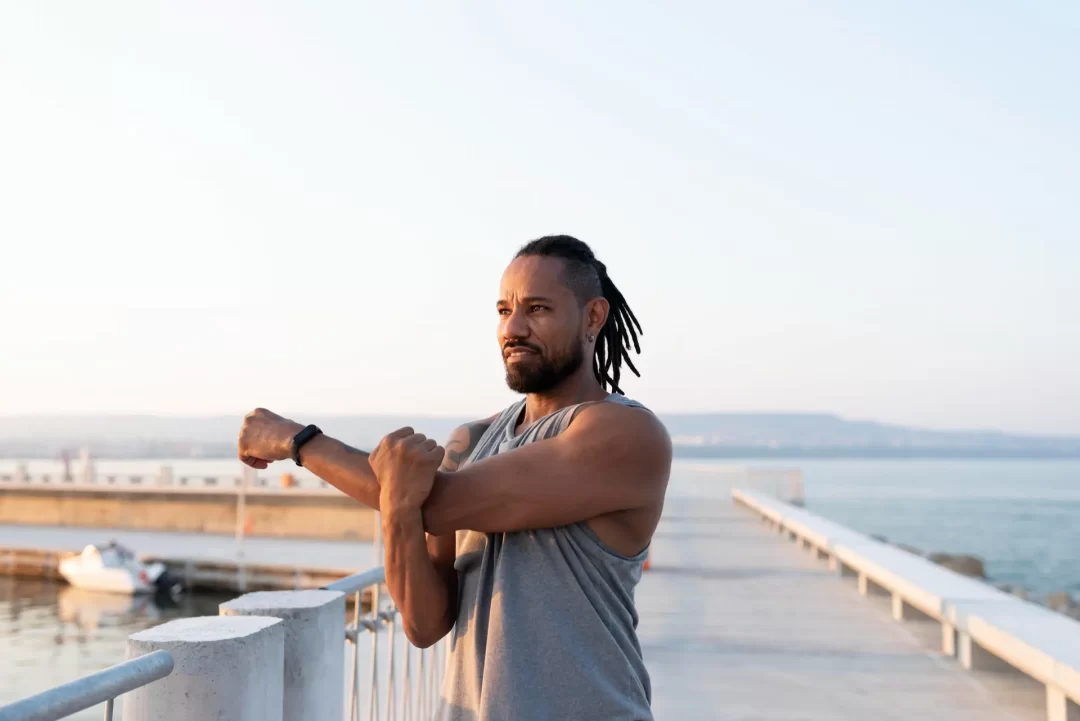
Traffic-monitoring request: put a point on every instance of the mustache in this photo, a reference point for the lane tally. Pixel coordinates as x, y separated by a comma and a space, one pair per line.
509, 345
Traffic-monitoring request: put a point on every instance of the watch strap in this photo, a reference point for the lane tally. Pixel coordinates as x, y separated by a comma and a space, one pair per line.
298, 441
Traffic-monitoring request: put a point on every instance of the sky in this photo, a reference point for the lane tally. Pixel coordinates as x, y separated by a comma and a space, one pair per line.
865, 208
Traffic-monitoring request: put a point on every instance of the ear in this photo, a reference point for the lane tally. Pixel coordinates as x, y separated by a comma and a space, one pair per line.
596, 314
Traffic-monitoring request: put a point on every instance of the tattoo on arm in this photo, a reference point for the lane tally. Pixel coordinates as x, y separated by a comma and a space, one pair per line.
462, 443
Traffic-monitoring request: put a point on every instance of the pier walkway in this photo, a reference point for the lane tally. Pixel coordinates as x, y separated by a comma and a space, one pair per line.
738, 623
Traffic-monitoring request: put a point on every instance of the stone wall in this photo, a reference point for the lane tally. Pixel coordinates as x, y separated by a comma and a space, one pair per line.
281, 514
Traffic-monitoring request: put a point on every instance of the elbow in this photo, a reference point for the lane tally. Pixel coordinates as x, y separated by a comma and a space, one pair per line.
426, 630
423, 637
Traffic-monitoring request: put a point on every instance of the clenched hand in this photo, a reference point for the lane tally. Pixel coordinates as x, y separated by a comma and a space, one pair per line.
405, 463
266, 437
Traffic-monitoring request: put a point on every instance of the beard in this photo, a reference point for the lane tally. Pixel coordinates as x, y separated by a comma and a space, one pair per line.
539, 374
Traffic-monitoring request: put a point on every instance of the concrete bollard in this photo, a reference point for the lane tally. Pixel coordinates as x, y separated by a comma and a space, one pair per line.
864, 585
1059, 707
974, 657
948, 639
314, 624
225, 668
899, 608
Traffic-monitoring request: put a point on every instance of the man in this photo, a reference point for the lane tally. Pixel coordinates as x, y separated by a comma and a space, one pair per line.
529, 538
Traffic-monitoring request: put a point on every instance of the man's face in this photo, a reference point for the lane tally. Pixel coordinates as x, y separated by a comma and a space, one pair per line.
541, 325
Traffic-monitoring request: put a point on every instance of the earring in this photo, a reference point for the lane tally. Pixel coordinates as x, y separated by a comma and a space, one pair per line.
591, 337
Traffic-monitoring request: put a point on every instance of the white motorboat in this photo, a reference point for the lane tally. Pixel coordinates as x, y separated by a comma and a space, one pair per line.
115, 569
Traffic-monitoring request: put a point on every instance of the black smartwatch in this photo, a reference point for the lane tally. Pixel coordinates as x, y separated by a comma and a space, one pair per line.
300, 439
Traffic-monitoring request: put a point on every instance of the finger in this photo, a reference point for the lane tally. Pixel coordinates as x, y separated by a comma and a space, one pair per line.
415, 439
255, 462
437, 453
401, 433
429, 444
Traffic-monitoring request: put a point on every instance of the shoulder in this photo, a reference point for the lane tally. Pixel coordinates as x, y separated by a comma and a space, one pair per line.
463, 439
628, 427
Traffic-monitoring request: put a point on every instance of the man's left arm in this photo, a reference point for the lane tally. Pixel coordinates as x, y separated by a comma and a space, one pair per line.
612, 458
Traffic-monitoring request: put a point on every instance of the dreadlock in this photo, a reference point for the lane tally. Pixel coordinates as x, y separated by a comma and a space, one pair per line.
587, 277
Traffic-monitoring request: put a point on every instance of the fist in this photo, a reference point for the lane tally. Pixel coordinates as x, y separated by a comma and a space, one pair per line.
266, 437
405, 463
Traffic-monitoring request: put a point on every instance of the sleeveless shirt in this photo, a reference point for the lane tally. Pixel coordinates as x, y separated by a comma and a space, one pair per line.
546, 625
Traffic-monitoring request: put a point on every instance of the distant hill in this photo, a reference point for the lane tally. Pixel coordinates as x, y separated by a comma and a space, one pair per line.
695, 435
821, 434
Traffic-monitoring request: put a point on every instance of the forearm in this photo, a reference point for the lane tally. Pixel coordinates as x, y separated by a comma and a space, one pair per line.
343, 467
422, 594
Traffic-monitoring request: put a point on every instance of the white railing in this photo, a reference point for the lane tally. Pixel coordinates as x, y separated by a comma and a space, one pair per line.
164, 479
413, 699
101, 687
418, 692
403, 682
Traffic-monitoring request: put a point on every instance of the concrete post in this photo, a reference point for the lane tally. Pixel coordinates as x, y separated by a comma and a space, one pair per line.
1059, 707
948, 639
21, 476
86, 469
314, 623
165, 477
897, 607
864, 585
225, 668
975, 658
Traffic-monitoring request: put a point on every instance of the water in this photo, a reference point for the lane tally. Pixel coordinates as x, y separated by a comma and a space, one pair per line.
1021, 516
51, 633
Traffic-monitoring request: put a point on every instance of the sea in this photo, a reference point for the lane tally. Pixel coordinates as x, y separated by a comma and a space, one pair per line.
1022, 517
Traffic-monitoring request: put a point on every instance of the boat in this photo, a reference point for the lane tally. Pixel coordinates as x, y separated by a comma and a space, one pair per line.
114, 568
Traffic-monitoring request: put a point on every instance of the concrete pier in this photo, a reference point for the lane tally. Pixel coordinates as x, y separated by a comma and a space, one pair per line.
737, 623
308, 513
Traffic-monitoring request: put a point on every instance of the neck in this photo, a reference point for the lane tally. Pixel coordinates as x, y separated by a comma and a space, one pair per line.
578, 388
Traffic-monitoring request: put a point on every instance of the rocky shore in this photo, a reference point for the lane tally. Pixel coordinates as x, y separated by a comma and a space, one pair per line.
974, 567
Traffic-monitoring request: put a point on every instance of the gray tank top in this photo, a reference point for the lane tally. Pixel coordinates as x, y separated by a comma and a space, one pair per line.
546, 626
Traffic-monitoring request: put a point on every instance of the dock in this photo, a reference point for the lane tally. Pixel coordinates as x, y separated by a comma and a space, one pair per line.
201, 561
738, 622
